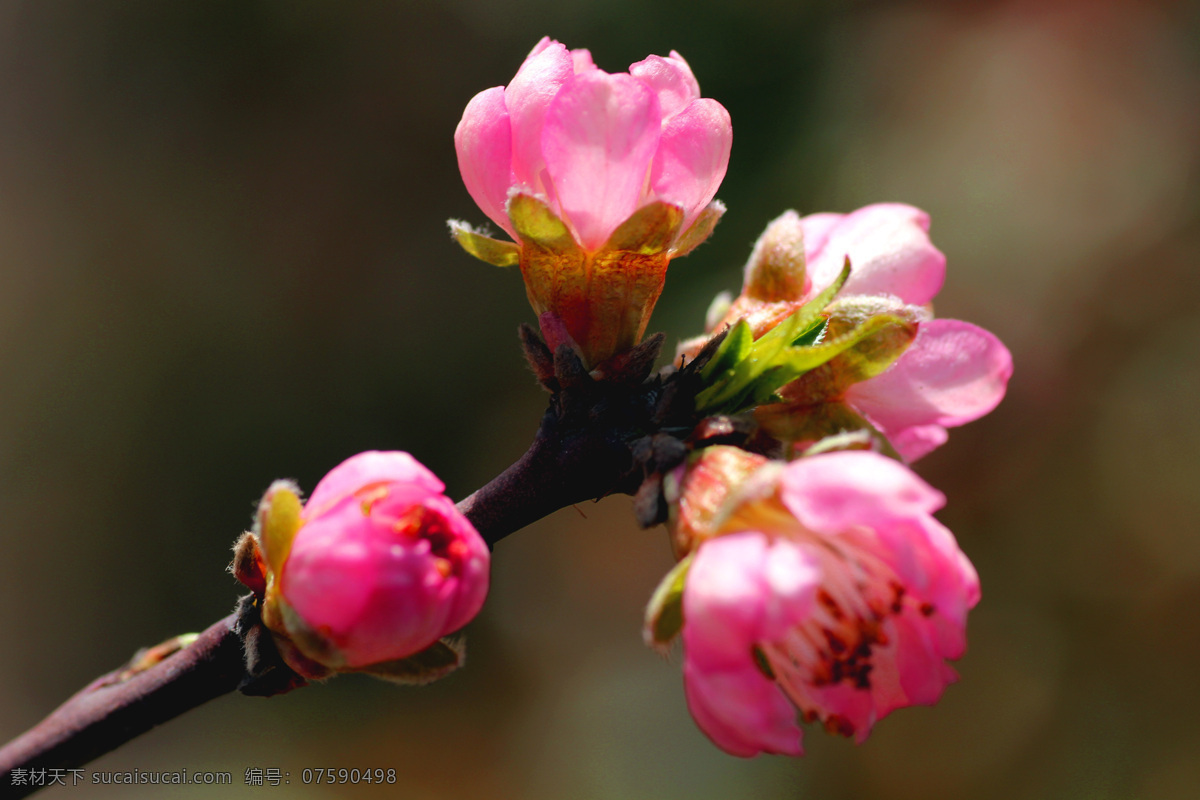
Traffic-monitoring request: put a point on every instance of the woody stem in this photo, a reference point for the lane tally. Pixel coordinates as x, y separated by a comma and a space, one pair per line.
577, 455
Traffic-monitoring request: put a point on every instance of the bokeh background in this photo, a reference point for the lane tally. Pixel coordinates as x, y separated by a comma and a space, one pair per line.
223, 260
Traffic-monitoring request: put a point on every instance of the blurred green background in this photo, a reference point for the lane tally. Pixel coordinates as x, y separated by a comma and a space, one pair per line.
223, 260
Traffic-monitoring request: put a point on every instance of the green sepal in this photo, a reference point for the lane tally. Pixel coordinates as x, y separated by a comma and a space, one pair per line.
278, 521
868, 438
537, 224
777, 270
831, 426
664, 613
859, 353
699, 231
434, 662
496, 252
648, 231
310, 643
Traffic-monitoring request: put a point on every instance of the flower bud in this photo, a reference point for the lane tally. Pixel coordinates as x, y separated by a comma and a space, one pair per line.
600, 178
695, 492
377, 566
776, 270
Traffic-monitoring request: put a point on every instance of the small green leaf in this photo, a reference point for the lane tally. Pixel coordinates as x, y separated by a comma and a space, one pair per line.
496, 252
733, 349
664, 614
813, 335
772, 361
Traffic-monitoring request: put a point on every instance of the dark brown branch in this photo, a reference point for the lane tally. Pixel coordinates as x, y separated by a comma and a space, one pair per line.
109, 712
574, 457
581, 452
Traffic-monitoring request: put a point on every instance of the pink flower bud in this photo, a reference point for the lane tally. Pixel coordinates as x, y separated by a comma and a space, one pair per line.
380, 566
698, 491
601, 178
837, 593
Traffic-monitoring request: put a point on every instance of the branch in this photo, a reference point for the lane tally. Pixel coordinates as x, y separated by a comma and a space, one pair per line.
581, 451
109, 712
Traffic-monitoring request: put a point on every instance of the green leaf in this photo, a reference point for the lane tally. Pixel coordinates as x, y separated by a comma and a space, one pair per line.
740, 377
733, 349
664, 613
494, 251
813, 335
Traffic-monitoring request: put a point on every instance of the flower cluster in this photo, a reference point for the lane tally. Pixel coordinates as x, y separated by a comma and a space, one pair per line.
820, 581
812, 576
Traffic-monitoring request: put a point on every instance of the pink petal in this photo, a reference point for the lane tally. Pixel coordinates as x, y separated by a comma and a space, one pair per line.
816, 233
542, 44
889, 249
384, 564
671, 79
464, 593
583, 60
600, 135
921, 666
743, 589
370, 468
836, 492
692, 156
741, 710
954, 372
918, 441
849, 703
483, 140
527, 97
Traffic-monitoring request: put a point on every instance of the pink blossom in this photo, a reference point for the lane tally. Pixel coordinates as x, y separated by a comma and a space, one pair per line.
954, 372
595, 146
839, 595
601, 179
383, 564
889, 249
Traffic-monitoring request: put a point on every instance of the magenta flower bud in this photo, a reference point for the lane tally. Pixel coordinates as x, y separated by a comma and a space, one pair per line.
600, 178
379, 565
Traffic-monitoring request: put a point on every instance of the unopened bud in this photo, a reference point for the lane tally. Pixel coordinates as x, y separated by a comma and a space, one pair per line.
776, 270
697, 491
377, 566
